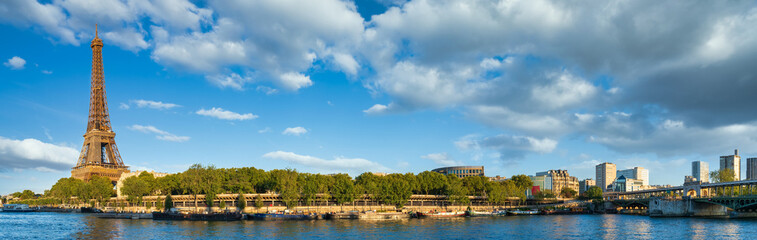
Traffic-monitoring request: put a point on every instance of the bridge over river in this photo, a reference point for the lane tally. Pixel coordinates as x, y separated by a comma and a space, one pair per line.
706, 199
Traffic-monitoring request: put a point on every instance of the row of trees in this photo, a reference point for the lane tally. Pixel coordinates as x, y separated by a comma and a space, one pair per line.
295, 187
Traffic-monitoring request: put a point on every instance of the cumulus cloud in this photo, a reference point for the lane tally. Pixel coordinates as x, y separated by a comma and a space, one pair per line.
15, 63
225, 115
295, 131
441, 159
510, 147
159, 134
34, 154
376, 109
141, 103
353, 166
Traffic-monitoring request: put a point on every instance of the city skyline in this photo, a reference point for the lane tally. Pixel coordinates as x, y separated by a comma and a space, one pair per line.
362, 88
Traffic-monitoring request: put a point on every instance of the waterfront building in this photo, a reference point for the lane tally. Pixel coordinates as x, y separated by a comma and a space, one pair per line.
732, 162
701, 171
636, 173
605, 174
99, 154
623, 184
541, 183
690, 180
585, 184
497, 179
751, 168
461, 171
124, 176
560, 180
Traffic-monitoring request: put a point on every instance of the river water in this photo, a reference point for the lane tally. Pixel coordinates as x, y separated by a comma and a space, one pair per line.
84, 226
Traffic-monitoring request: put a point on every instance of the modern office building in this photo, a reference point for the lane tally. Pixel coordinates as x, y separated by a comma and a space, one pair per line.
623, 184
751, 168
636, 173
605, 174
585, 184
560, 180
461, 171
732, 162
543, 182
700, 171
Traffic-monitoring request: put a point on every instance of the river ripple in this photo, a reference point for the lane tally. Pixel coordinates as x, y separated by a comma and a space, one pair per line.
83, 226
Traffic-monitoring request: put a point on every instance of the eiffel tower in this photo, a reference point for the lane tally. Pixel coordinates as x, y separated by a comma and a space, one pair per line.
99, 154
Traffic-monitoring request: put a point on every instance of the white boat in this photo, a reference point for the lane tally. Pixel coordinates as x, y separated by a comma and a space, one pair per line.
522, 212
17, 208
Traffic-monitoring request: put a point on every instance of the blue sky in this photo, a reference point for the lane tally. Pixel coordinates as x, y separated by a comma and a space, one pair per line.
390, 86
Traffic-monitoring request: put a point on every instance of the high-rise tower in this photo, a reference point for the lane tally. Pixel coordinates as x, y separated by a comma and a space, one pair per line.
605, 174
732, 162
99, 154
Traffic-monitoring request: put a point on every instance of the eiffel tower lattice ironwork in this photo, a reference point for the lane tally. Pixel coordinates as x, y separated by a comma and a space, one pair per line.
99, 154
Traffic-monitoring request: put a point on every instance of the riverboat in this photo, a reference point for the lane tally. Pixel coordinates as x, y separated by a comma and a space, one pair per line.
169, 216
500, 212
372, 215
342, 215
473, 213
522, 212
197, 216
441, 214
17, 208
281, 216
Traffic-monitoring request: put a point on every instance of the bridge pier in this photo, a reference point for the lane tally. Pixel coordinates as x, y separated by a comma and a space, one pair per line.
686, 207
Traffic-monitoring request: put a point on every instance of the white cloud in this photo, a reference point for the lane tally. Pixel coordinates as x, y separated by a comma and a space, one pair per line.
159, 134
565, 90
377, 109
296, 131
128, 38
154, 104
124, 106
34, 154
267, 90
15, 63
234, 81
353, 166
225, 115
265, 130
294, 81
441, 159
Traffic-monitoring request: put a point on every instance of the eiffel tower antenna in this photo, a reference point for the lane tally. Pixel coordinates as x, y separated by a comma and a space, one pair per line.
99, 154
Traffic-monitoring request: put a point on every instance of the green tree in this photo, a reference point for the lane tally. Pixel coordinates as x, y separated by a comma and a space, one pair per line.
258, 202
26, 194
343, 189
285, 183
222, 204
475, 185
101, 188
241, 203
191, 180
544, 194
723, 175
456, 192
594, 192
567, 192
160, 205
431, 182
523, 182
168, 202
135, 188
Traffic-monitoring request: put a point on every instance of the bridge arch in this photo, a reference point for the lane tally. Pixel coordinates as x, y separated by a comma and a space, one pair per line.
691, 193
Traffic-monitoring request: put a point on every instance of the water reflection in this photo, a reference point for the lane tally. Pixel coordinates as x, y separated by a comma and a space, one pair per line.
82, 226
609, 227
